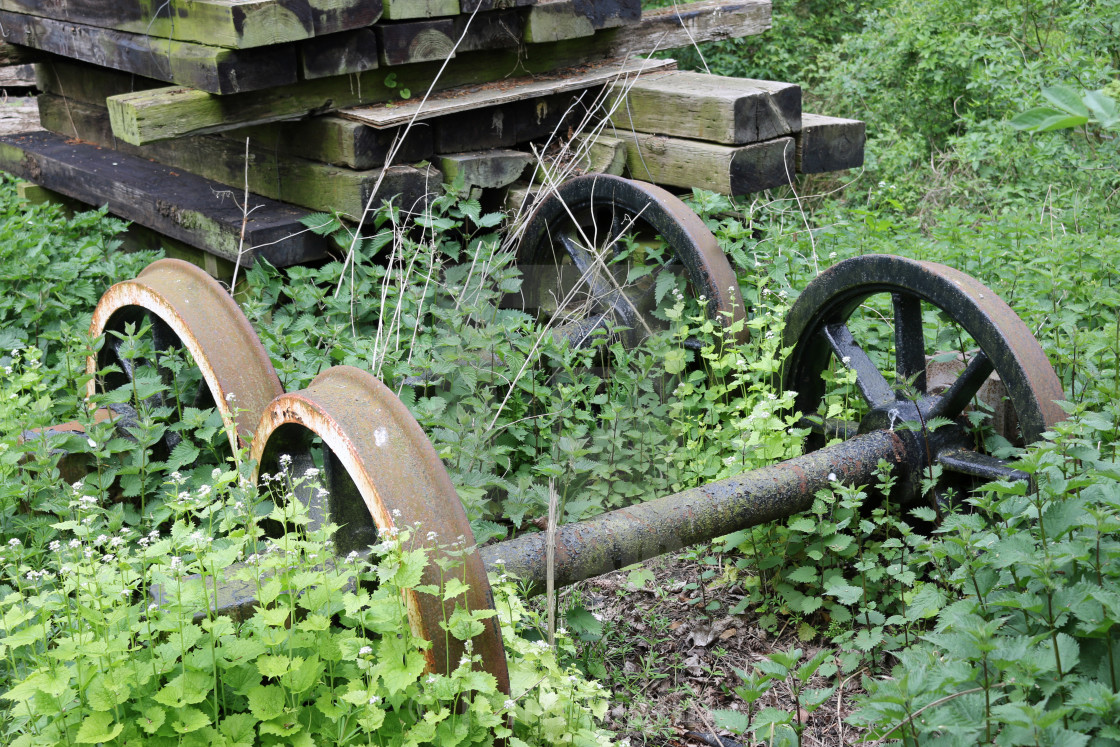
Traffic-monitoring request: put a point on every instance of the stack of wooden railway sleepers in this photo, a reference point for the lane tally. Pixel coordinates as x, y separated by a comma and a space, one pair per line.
171, 112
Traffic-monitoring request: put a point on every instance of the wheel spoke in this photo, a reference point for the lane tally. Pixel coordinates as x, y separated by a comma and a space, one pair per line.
580, 331
589, 268
968, 462
957, 397
909, 341
872, 385
829, 427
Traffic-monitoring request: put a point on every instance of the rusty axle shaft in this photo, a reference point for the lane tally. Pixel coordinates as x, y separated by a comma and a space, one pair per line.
630, 535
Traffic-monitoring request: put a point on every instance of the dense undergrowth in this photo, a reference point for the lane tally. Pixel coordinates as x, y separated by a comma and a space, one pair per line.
996, 624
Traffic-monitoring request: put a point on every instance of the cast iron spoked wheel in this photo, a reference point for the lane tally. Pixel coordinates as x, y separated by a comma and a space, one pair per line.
381, 473
593, 251
1000, 343
189, 311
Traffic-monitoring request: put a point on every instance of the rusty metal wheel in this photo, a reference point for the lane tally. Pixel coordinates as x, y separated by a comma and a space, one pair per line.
188, 310
594, 250
899, 296
381, 474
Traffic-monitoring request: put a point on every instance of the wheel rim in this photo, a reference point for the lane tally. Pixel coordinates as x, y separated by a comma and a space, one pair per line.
817, 330
571, 256
189, 310
382, 474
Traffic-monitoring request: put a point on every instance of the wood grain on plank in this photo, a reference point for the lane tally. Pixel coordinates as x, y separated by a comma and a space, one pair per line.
686, 24
403, 10
829, 144
237, 24
184, 206
207, 68
338, 54
164, 113
715, 108
416, 41
308, 184
731, 170
465, 98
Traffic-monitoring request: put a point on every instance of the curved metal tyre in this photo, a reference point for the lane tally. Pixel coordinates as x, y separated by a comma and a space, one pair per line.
998, 342
188, 310
381, 474
593, 250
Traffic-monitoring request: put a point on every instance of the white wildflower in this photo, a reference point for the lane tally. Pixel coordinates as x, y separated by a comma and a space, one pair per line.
13, 542
365, 650
832, 477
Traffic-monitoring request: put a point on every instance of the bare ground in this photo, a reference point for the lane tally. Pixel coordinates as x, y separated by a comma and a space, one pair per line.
669, 663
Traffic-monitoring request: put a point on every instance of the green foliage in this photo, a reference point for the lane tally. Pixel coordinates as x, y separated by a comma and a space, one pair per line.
1070, 110
90, 658
1026, 649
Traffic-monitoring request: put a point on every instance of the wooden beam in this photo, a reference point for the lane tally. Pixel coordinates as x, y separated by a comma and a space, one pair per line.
469, 6
342, 142
186, 207
488, 169
308, 184
237, 24
498, 29
416, 41
402, 10
164, 113
829, 144
733, 111
690, 23
338, 54
502, 91
13, 54
510, 124
207, 68
84, 82
17, 76
732, 170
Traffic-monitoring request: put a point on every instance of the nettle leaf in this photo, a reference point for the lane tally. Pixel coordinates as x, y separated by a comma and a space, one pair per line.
98, 727
273, 666
239, 727
733, 721
843, 591
266, 701
189, 719
151, 718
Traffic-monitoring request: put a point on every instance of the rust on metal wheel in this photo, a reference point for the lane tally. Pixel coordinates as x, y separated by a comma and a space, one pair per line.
998, 344
382, 474
189, 310
578, 256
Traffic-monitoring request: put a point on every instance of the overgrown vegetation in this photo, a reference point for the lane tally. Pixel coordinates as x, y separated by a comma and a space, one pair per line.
993, 624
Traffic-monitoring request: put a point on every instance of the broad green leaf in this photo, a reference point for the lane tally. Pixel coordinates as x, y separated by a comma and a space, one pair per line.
273, 666
98, 727
1066, 99
189, 719
151, 718
266, 701
1103, 107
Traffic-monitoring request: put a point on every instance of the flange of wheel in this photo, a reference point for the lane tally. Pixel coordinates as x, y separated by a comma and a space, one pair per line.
189, 309
383, 475
572, 249
817, 330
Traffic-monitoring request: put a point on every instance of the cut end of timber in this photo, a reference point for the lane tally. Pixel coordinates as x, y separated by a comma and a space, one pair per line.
175, 107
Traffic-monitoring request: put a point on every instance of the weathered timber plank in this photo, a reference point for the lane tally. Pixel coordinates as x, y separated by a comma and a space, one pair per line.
488, 169
401, 10
733, 111
238, 24
298, 181
509, 124
338, 54
207, 68
690, 23
183, 206
13, 54
601, 155
165, 113
553, 20
469, 6
829, 144
18, 115
498, 29
676, 162
465, 98
416, 41
88, 83
17, 76
342, 142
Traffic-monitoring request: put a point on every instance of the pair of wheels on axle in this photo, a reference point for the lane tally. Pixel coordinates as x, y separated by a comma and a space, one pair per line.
381, 472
